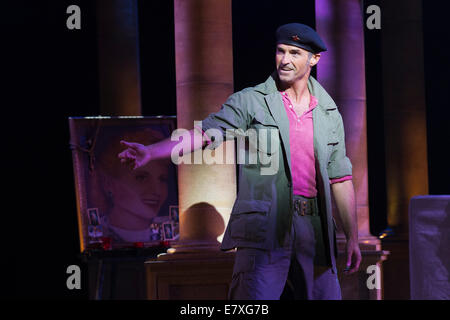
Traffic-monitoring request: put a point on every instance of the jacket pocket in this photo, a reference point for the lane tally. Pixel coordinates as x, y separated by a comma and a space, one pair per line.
249, 219
331, 146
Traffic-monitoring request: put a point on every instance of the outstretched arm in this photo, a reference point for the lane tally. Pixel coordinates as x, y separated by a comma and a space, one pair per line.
232, 115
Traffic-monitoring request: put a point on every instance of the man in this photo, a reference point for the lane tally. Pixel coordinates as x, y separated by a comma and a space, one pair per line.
281, 223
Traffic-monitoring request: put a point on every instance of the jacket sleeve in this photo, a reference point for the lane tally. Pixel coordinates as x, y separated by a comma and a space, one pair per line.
339, 165
233, 115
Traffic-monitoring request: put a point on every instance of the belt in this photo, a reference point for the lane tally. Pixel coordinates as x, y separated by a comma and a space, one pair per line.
305, 206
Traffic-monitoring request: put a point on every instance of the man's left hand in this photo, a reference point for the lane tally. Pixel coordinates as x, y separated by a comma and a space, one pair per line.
353, 256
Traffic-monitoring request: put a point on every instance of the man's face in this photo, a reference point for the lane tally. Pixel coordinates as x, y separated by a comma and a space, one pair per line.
293, 63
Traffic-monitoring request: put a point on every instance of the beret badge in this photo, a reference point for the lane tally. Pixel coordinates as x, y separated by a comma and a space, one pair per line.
295, 38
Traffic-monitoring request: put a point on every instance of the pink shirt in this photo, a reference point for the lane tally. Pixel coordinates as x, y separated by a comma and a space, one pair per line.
301, 142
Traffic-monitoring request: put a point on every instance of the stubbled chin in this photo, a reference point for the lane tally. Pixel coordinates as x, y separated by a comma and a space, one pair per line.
285, 78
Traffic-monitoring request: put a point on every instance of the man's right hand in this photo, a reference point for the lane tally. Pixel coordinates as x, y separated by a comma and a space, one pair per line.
136, 155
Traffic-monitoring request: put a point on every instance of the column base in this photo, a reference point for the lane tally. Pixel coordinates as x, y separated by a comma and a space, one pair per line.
200, 271
190, 271
358, 286
188, 246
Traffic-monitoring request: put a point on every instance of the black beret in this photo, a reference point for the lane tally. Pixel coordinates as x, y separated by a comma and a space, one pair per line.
300, 35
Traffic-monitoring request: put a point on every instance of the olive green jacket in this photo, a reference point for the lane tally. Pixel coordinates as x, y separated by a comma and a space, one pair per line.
262, 213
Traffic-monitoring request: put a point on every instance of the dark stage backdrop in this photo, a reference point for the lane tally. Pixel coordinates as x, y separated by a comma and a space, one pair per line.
437, 87
50, 73
157, 57
375, 127
254, 26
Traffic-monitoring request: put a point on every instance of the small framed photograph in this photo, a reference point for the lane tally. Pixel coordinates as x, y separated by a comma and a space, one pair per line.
168, 231
155, 232
95, 233
94, 219
174, 215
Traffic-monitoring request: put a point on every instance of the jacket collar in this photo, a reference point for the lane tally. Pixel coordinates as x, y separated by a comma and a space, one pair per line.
273, 99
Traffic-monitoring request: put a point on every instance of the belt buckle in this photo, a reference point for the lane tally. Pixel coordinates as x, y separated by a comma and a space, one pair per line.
300, 206
303, 209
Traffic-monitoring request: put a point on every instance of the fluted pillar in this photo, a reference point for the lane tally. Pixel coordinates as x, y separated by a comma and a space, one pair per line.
341, 72
118, 57
194, 268
204, 80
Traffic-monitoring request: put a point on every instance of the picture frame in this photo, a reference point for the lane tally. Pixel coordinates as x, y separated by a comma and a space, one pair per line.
168, 231
117, 205
174, 214
93, 216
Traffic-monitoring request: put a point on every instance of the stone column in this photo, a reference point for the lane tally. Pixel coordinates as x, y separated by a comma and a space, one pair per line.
195, 268
118, 58
341, 71
204, 80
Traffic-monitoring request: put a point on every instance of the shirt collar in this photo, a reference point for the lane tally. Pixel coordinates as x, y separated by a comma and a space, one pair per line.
324, 101
312, 103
